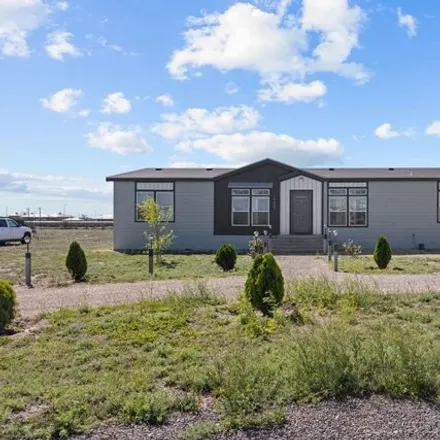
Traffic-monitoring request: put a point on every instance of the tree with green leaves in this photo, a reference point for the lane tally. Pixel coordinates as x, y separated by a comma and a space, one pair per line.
76, 262
158, 220
382, 253
264, 287
8, 302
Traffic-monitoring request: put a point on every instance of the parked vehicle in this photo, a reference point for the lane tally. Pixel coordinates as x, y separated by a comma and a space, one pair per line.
11, 231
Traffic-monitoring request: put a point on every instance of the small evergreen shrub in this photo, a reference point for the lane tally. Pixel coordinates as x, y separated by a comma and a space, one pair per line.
382, 253
265, 284
226, 257
76, 262
7, 304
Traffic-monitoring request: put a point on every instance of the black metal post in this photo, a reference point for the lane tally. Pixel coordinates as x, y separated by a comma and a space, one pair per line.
150, 261
329, 250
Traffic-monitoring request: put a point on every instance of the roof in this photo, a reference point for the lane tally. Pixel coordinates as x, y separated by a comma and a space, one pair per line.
321, 173
376, 173
171, 173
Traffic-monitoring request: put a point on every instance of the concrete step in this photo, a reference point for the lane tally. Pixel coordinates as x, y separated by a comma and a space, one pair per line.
297, 244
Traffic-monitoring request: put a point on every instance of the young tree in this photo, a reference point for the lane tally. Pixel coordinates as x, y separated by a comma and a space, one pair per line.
158, 220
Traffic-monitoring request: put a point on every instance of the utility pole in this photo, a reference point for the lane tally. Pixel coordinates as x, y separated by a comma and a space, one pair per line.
28, 212
39, 210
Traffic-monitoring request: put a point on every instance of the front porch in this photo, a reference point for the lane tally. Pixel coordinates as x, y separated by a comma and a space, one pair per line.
297, 244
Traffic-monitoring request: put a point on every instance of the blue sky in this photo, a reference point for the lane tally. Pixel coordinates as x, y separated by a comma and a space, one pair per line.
94, 88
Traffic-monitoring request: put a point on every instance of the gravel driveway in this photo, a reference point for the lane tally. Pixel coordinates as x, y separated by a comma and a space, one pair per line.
374, 418
34, 301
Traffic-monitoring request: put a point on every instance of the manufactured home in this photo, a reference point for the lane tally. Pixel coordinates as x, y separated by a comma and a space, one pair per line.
211, 206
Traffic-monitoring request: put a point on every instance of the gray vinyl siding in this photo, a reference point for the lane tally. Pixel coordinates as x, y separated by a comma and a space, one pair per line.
194, 219
404, 211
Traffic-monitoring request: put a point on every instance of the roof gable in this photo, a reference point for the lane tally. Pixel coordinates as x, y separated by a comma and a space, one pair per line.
255, 165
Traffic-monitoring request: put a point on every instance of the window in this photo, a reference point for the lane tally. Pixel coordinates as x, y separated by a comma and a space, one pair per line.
337, 211
161, 192
250, 207
260, 211
3, 223
348, 207
12, 223
240, 211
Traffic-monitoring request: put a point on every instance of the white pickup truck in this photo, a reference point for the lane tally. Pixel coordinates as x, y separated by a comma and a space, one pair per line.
10, 230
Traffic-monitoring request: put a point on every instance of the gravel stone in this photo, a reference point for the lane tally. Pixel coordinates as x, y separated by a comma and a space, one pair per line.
374, 418
35, 301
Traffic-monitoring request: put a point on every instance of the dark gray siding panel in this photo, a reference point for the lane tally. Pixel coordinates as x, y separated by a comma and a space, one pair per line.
268, 173
405, 211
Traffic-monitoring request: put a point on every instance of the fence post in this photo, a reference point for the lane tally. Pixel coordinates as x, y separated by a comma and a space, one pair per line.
150, 261
329, 250
335, 261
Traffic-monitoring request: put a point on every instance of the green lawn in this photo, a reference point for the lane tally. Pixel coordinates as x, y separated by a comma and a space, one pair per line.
50, 246
140, 363
398, 265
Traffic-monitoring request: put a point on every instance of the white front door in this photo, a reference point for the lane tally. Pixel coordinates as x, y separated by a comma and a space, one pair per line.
15, 232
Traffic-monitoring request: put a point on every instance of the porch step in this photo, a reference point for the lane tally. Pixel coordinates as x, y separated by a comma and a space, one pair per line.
297, 244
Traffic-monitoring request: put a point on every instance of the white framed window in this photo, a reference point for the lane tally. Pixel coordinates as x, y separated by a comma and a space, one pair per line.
337, 211
261, 192
338, 192
260, 211
240, 210
241, 192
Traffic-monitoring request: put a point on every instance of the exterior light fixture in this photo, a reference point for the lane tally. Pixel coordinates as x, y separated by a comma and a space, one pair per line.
256, 234
266, 232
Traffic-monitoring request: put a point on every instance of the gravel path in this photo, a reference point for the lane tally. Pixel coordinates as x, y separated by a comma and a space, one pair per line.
375, 418
34, 301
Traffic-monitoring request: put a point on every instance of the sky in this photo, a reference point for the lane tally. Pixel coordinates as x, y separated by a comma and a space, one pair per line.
90, 89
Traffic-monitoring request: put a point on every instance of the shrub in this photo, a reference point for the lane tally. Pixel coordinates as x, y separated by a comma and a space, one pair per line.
76, 262
265, 284
382, 253
352, 249
256, 247
7, 304
226, 257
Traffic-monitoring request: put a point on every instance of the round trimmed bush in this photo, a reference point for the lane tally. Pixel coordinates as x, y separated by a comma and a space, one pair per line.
382, 253
76, 262
8, 302
265, 284
226, 257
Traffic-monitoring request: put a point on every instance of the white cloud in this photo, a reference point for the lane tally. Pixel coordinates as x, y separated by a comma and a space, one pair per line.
105, 44
118, 139
84, 113
231, 88
58, 45
433, 129
272, 42
59, 186
116, 103
62, 101
18, 18
165, 100
62, 6
293, 92
240, 147
195, 122
386, 132
407, 22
